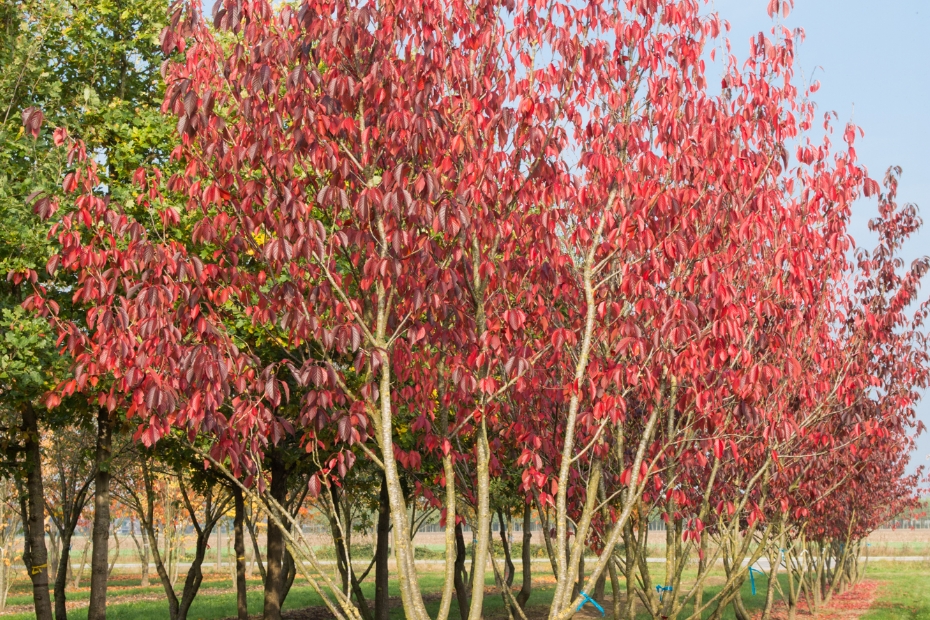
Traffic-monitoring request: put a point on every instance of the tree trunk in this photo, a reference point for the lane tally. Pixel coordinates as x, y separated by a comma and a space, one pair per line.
342, 553
61, 576
615, 589
508, 558
382, 553
482, 521
35, 555
53, 561
579, 584
461, 575
143, 550
526, 555
600, 586
256, 551
195, 575
115, 554
99, 563
77, 575
275, 571
242, 602
739, 608
290, 573
145, 561
631, 544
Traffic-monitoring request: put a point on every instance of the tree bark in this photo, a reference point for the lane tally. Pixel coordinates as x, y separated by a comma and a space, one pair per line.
99, 563
461, 575
275, 570
382, 553
615, 590
526, 554
35, 554
482, 522
256, 551
290, 573
242, 602
143, 549
505, 542
145, 561
61, 576
600, 587
342, 554
53, 561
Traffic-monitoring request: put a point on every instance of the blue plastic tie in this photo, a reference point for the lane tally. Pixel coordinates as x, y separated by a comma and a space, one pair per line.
662, 589
752, 580
588, 599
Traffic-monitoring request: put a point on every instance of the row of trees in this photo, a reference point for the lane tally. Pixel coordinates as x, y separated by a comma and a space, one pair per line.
501, 257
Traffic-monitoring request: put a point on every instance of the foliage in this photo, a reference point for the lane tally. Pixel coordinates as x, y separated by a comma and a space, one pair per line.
501, 253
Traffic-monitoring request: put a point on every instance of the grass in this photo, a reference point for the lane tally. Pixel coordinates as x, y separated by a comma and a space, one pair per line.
904, 594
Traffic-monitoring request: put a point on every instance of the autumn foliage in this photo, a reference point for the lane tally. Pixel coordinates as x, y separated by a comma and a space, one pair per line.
580, 247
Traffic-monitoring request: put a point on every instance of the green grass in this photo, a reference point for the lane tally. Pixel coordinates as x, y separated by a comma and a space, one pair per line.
904, 594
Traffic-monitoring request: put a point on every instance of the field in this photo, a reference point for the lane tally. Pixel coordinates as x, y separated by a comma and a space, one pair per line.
892, 591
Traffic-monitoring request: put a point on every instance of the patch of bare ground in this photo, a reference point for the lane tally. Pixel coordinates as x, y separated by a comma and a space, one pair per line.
849, 605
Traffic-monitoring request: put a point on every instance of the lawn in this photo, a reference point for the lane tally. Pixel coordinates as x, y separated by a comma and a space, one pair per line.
903, 594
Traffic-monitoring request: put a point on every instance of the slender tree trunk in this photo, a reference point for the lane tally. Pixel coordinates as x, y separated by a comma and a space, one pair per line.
526, 555
275, 571
145, 561
53, 561
61, 576
115, 554
579, 584
739, 607
508, 558
461, 575
242, 602
615, 590
77, 575
482, 522
195, 574
600, 587
629, 612
382, 553
142, 548
35, 555
342, 559
290, 573
256, 551
770, 592
99, 564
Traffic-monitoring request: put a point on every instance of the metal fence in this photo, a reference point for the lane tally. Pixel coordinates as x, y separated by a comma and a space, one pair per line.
907, 524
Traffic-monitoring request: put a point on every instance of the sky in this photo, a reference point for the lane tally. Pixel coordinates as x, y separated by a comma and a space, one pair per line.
871, 59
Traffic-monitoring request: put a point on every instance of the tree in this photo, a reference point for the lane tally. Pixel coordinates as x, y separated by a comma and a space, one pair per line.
392, 233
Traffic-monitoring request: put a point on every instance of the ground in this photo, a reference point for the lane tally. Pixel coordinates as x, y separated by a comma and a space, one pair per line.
891, 591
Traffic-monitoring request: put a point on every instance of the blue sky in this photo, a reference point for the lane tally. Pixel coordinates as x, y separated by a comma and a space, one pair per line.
871, 59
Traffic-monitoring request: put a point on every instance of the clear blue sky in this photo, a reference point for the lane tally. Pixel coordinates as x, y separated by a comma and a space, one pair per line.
871, 59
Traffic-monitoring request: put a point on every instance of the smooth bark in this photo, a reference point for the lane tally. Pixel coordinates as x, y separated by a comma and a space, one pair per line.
382, 554
99, 559
242, 602
32, 505
526, 555
275, 571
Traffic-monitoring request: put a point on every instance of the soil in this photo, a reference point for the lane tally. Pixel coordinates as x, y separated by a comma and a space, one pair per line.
849, 605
